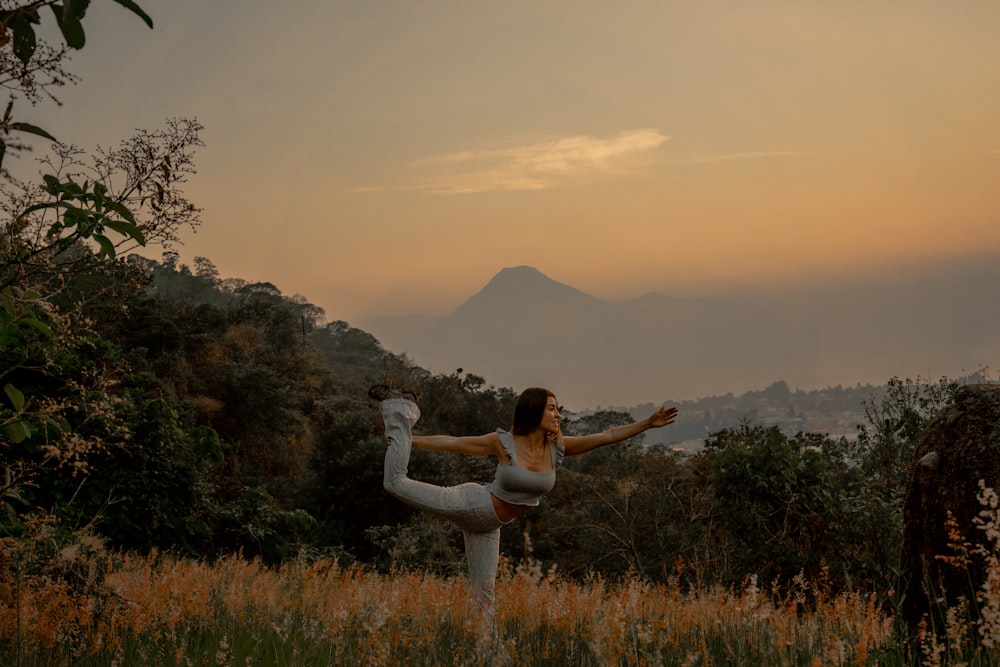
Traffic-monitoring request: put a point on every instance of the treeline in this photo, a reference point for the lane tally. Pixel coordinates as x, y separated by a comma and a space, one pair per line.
753, 501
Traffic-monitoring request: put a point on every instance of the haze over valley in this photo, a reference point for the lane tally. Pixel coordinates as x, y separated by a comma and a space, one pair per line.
525, 328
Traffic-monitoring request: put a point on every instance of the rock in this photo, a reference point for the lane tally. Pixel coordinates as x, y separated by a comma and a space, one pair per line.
960, 447
930, 460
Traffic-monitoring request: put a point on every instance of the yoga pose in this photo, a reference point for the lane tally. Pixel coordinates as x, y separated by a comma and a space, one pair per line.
527, 458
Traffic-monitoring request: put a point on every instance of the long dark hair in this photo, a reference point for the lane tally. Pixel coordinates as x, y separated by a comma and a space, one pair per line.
529, 409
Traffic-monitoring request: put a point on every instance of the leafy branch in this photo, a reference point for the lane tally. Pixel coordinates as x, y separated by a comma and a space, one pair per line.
23, 57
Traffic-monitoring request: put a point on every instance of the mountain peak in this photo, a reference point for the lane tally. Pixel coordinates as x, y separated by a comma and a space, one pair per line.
521, 289
522, 268
522, 274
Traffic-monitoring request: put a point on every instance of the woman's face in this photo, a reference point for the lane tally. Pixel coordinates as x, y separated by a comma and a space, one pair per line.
550, 416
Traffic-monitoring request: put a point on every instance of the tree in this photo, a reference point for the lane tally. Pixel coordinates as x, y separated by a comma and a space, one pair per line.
590, 521
781, 501
629, 510
59, 254
885, 445
58, 259
29, 67
885, 452
205, 269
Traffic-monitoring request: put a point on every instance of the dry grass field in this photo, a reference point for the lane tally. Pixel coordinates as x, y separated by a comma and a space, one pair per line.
166, 611
88, 606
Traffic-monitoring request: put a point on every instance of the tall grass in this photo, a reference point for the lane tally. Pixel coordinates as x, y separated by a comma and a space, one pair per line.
77, 604
164, 611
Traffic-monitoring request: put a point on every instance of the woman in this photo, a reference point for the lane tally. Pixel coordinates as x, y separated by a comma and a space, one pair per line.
527, 458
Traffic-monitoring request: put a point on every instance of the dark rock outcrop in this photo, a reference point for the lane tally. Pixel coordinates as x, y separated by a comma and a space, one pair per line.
960, 447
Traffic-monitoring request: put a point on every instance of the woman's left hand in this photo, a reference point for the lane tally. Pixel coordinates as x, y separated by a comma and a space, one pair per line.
662, 417
555, 435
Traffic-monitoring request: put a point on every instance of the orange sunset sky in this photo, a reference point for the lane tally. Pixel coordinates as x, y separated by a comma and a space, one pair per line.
390, 157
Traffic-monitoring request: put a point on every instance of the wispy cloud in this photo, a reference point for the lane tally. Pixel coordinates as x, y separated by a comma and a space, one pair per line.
751, 155
537, 166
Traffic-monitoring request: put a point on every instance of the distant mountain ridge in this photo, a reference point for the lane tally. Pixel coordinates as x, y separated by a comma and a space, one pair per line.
524, 328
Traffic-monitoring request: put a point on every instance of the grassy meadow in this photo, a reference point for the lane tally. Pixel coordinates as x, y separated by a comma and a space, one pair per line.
79, 604
164, 611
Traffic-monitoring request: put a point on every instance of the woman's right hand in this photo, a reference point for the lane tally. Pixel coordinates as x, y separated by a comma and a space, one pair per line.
662, 417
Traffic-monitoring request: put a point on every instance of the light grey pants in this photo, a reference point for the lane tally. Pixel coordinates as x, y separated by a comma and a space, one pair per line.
469, 506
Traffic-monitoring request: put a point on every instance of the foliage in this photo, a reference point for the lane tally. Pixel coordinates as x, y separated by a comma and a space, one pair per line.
782, 502
886, 444
72, 415
58, 270
598, 518
29, 66
884, 453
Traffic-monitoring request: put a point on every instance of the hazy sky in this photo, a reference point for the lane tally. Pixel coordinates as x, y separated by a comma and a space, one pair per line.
388, 157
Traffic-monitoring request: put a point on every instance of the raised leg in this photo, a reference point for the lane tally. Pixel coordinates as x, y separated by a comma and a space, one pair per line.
399, 415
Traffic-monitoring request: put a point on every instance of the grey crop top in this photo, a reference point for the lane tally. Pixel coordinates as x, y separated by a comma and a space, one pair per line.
517, 485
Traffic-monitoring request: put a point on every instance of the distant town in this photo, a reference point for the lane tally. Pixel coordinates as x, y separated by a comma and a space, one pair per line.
834, 411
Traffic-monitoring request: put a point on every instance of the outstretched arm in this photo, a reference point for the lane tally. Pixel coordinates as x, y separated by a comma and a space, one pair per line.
483, 445
585, 443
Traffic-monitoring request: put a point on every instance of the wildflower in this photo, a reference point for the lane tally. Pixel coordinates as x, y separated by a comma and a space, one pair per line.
961, 548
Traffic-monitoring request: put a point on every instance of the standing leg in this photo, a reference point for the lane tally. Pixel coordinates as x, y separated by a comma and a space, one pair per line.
483, 553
